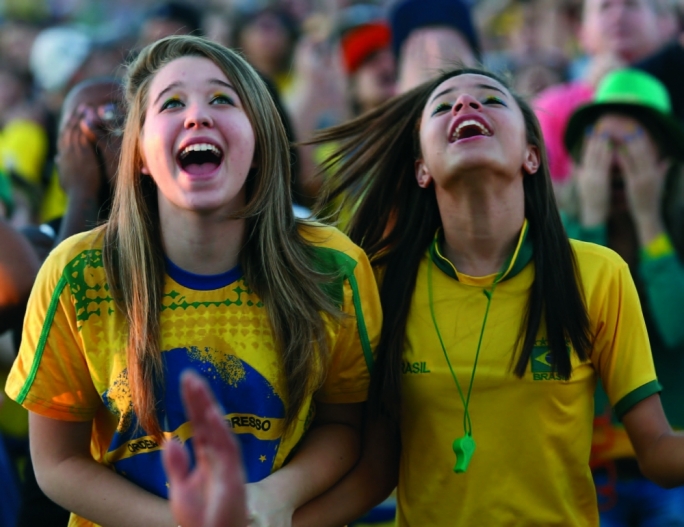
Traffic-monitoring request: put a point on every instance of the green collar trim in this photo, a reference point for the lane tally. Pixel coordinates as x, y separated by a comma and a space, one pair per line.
515, 263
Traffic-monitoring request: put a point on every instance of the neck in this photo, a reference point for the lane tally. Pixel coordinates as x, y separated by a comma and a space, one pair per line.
202, 245
481, 225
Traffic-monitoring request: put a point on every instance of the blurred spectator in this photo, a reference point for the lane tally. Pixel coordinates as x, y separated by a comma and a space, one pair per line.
365, 40
88, 152
267, 37
16, 40
628, 184
170, 18
532, 50
613, 33
18, 268
429, 36
668, 66
58, 61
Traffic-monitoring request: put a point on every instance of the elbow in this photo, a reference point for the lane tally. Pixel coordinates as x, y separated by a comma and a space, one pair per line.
660, 475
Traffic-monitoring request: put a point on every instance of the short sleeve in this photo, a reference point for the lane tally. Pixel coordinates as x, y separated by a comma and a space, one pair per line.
50, 376
357, 336
621, 352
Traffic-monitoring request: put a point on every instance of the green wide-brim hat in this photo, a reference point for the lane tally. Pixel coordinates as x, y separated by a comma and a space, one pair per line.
634, 93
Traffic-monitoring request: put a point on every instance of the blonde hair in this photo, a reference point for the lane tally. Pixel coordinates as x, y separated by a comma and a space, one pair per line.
278, 264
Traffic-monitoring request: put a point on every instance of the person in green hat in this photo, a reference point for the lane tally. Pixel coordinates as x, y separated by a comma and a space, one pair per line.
627, 148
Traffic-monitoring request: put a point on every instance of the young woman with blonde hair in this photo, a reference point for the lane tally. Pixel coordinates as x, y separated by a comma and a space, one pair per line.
202, 265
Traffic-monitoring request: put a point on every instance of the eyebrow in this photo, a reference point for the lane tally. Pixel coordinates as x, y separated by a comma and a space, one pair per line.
483, 86
175, 85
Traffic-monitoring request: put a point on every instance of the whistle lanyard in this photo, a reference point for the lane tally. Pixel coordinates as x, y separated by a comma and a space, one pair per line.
464, 446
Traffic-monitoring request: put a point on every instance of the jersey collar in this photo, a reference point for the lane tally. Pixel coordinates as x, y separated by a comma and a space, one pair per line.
515, 263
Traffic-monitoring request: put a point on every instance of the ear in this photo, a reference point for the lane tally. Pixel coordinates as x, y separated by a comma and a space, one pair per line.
145, 170
423, 176
532, 160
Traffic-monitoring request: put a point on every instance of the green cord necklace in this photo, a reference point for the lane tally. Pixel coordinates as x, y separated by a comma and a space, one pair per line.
464, 447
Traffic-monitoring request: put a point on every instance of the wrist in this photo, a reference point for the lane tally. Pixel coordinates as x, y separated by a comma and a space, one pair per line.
591, 218
648, 229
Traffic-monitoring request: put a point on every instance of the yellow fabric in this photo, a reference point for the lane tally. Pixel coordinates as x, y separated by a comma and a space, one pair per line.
54, 202
13, 418
23, 149
533, 435
80, 373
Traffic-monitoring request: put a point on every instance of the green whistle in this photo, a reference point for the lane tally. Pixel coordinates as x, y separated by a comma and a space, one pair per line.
464, 447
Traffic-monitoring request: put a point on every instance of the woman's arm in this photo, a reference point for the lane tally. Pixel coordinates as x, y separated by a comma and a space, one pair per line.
369, 483
68, 474
659, 450
327, 452
18, 267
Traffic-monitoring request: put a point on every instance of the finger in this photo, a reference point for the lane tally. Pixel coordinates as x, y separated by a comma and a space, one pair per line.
176, 461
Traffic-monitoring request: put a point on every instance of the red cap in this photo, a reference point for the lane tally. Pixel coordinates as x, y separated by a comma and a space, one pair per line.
360, 42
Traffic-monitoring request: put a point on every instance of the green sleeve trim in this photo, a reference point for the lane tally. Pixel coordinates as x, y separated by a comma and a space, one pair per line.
635, 396
49, 317
334, 262
361, 324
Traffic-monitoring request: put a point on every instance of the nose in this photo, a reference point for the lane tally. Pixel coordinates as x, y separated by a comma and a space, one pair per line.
198, 116
466, 101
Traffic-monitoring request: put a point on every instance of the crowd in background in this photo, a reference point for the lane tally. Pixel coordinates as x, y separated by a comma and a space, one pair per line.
325, 62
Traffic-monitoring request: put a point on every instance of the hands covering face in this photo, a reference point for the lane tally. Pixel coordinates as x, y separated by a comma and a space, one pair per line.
88, 148
620, 154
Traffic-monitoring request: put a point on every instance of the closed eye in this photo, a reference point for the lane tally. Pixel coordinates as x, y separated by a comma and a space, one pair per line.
441, 107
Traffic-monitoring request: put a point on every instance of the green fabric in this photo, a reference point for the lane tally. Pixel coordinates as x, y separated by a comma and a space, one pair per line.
635, 93
341, 266
638, 395
6, 193
524, 255
52, 309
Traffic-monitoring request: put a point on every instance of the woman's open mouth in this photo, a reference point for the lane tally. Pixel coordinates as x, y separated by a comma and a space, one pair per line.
200, 159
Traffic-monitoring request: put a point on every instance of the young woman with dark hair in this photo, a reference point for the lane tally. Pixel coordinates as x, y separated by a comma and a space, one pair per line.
496, 326
201, 265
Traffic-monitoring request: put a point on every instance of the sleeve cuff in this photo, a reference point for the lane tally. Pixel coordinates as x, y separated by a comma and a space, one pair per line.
657, 248
642, 392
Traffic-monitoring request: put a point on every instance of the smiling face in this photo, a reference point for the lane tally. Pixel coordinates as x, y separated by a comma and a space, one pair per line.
197, 142
472, 122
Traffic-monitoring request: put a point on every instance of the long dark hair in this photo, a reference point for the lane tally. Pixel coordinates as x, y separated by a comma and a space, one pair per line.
395, 222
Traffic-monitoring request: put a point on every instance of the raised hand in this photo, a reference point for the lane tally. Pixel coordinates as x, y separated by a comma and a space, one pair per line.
644, 173
212, 494
593, 178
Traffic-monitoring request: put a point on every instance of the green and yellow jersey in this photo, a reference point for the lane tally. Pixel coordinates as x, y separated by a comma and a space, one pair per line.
72, 361
533, 434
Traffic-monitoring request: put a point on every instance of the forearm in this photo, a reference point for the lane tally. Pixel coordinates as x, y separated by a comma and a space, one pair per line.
67, 473
369, 483
327, 453
663, 463
93, 491
80, 216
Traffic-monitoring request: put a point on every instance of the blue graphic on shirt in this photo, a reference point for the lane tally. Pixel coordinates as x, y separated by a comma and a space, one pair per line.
238, 387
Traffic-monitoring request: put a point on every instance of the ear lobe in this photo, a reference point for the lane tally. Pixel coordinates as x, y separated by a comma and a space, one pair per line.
145, 170
423, 177
532, 160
